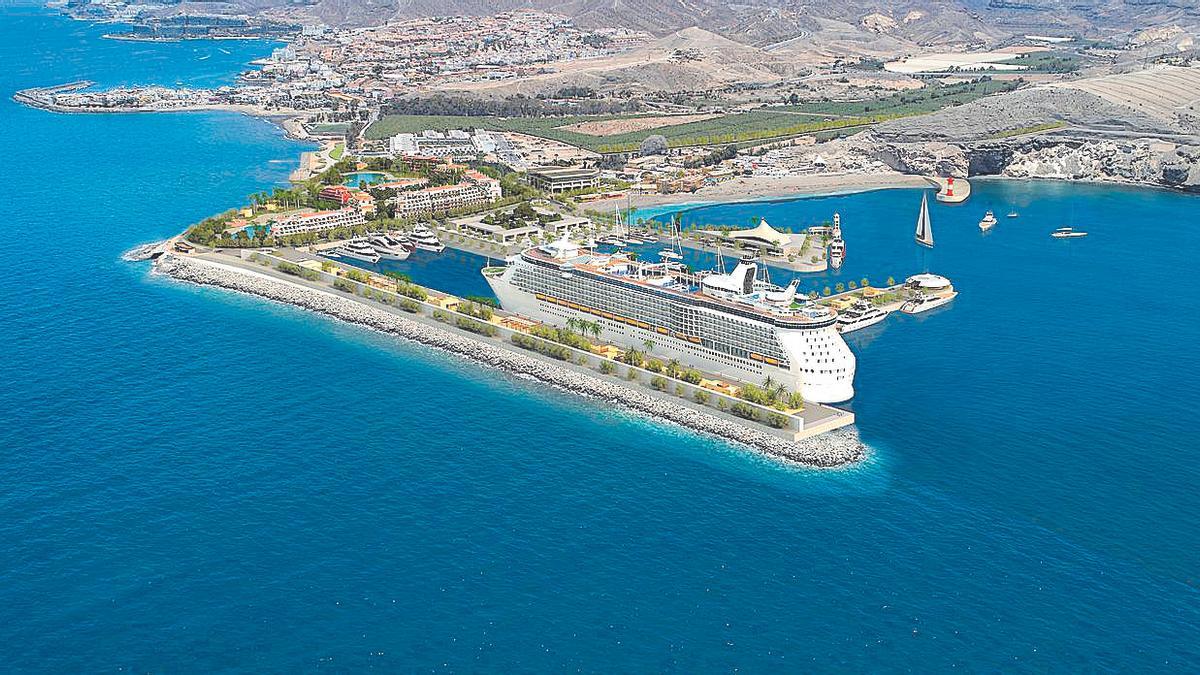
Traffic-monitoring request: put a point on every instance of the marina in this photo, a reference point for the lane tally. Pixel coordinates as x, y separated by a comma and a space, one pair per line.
215, 468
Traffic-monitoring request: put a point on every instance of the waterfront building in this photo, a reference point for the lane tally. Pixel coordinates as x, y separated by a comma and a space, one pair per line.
318, 221
735, 325
344, 196
446, 197
563, 179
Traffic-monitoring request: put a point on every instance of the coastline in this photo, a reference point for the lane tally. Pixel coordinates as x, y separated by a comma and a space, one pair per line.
766, 188
835, 449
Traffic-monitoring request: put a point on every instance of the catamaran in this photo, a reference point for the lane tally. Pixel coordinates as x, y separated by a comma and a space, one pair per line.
924, 234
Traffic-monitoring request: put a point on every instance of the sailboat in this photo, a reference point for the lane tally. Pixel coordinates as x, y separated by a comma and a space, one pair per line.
675, 252
924, 235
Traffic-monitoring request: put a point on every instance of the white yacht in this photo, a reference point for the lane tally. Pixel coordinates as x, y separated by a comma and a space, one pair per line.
358, 249
1013, 214
1067, 233
611, 241
860, 315
389, 247
926, 292
424, 238
988, 222
837, 253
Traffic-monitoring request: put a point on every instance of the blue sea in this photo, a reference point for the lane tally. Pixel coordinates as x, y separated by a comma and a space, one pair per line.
195, 480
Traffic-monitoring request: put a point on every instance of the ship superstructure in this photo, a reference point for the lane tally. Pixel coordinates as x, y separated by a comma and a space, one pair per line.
735, 324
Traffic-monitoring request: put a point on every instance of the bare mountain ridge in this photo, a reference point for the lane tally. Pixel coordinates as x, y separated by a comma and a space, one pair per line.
770, 22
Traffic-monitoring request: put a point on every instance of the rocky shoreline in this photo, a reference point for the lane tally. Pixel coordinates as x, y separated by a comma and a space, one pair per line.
835, 449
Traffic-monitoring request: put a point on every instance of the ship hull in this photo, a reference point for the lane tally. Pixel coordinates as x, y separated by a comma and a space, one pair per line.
818, 344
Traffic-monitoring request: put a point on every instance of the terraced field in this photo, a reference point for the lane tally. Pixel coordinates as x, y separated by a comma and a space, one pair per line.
1162, 92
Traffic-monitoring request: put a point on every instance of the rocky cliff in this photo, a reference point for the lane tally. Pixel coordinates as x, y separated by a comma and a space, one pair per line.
1142, 161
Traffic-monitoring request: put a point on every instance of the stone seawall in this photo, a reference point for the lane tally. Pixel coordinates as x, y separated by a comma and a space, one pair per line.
834, 449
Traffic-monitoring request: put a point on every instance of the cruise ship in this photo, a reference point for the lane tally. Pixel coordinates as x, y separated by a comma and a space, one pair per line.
734, 325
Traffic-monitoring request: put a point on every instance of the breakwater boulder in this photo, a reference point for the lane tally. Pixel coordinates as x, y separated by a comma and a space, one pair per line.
143, 252
834, 449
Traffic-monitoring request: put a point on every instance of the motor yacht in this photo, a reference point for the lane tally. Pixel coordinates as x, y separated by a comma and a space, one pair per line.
860, 315
837, 253
391, 248
988, 222
424, 239
358, 249
1067, 233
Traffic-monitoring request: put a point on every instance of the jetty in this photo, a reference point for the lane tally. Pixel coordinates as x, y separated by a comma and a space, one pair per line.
814, 436
43, 97
952, 190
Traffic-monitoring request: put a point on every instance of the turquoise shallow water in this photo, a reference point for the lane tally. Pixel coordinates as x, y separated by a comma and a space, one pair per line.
192, 480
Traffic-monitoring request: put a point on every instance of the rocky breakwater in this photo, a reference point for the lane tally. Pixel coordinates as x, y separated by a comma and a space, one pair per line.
831, 450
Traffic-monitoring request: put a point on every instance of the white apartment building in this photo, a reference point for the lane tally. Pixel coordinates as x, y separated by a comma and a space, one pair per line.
317, 222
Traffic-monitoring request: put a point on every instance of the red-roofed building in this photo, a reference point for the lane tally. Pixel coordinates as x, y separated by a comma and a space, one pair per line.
336, 193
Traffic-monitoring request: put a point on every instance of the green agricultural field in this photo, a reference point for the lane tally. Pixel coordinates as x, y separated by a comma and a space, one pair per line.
1048, 62
759, 125
903, 104
823, 118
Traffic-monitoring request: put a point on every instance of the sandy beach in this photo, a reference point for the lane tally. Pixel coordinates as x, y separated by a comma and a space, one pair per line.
772, 187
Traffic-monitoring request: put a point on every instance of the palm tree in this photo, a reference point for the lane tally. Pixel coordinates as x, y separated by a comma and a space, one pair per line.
649, 345
571, 323
769, 382
596, 329
673, 367
632, 356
